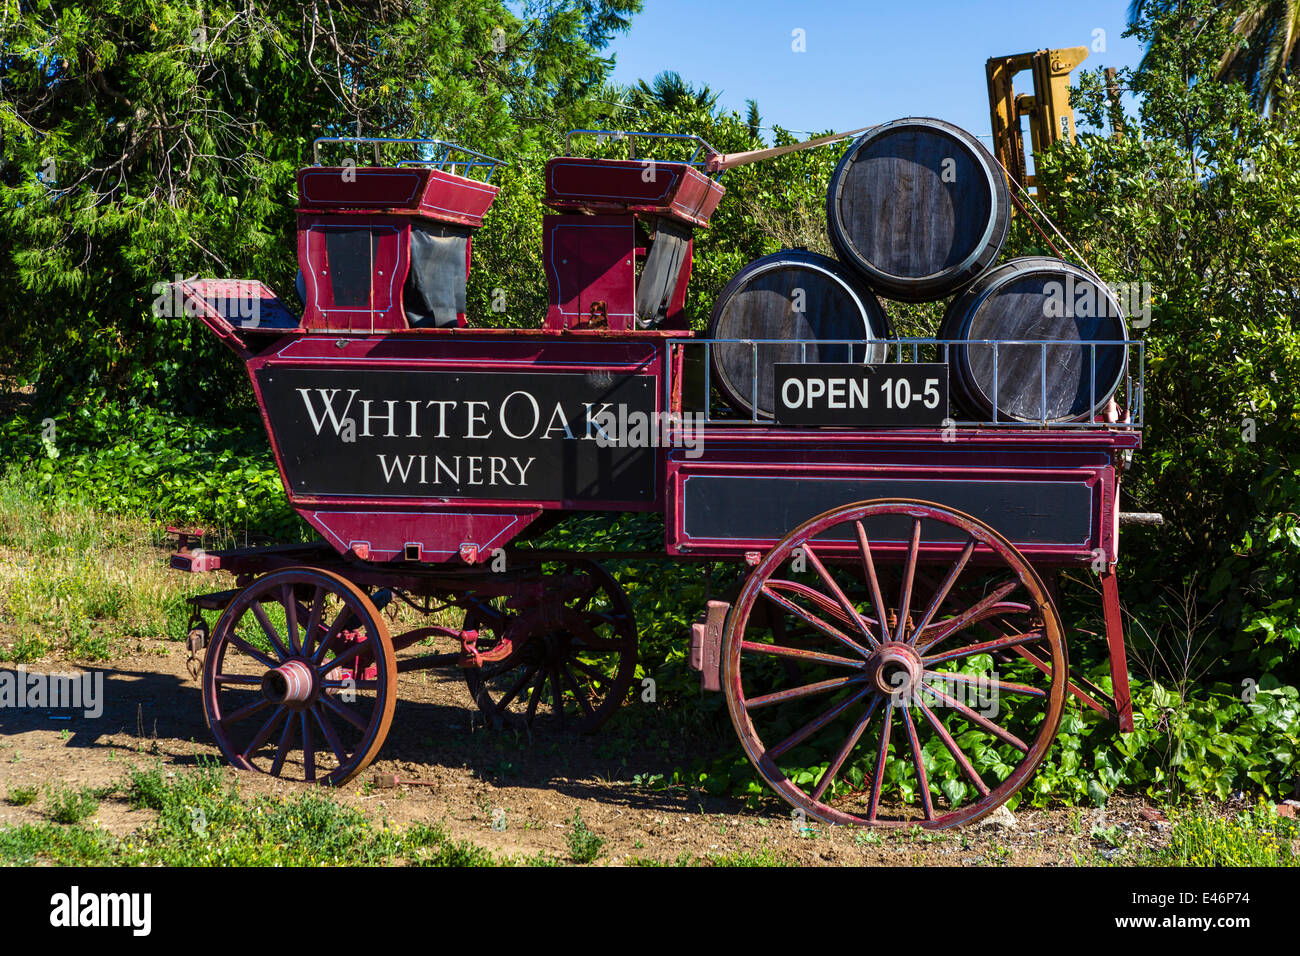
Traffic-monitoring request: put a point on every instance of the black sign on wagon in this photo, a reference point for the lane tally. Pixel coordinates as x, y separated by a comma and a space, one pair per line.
890, 394
530, 436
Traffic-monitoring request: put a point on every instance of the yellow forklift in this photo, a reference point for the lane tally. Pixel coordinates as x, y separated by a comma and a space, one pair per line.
1048, 108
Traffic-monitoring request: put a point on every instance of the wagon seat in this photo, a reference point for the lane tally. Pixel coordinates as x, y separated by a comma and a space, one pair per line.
618, 247
386, 247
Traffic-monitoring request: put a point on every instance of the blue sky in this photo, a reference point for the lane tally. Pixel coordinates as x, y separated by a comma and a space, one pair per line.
865, 62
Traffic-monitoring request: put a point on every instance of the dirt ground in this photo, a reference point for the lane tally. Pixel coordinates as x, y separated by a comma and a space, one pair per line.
507, 795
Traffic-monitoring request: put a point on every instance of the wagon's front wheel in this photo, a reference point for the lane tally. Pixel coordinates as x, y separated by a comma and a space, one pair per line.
895, 663
300, 678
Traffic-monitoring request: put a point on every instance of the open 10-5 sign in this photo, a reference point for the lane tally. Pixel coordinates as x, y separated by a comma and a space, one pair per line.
893, 393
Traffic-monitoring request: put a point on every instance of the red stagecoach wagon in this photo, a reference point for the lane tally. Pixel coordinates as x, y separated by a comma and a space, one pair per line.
898, 615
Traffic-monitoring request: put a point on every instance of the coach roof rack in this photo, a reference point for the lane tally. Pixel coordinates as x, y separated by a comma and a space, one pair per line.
451, 156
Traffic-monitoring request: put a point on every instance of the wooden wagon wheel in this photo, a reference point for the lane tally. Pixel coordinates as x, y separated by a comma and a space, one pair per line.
574, 658
889, 722
300, 678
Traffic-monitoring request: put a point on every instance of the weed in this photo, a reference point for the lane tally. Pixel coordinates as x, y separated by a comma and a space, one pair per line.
584, 846
68, 806
22, 796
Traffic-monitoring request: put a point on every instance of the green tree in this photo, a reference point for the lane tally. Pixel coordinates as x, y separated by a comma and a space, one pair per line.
1262, 48
1200, 200
149, 139
669, 92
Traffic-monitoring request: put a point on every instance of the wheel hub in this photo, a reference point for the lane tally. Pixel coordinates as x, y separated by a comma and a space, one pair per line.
290, 683
895, 669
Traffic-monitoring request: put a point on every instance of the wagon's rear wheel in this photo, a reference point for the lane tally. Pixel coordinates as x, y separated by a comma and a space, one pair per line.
574, 653
300, 678
929, 669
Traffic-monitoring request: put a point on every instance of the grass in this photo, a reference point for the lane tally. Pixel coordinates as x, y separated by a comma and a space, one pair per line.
1202, 838
82, 584
738, 858
203, 821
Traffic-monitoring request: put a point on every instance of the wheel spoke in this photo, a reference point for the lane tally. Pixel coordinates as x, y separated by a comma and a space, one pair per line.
909, 577
286, 738
985, 647
264, 733
807, 690
313, 623
993, 683
826, 605
578, 694
833, 768
869, 568
350, 684
918, 761
268, 629
237, 679
536, 696
290, 604
816, 724
601, 645
331, 735
591, 671
252, 652
957, 753
342, 660
813, 657
1004, 735
810, 618
344, 712
515, 688
557, 693
972, 613
308, 750
247, 711
942, 593
345, 617
999, 609
873, 804
838, 594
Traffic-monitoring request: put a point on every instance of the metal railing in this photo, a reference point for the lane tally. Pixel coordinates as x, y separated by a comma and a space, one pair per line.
692, 376
618, 135
447, 160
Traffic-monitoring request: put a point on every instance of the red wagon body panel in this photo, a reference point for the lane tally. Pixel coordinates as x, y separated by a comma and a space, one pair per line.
1052, 494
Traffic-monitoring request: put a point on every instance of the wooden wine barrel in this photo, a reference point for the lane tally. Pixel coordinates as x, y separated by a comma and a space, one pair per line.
1036, 299
919, 207
798, 297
